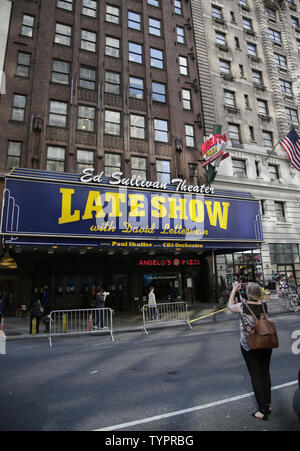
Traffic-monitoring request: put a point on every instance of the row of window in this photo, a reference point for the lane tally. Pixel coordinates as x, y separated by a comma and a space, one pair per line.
63, 33
112, 163
239, 169
86, 120
89, 7
88, 76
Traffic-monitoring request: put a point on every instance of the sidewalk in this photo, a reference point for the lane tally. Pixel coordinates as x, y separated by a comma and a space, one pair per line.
18, 328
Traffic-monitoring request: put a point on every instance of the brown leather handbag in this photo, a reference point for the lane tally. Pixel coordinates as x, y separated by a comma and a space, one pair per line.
263, 334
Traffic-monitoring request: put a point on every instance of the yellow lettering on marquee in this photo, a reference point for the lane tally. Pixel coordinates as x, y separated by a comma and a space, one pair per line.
93, 203
66, 215
156, 203
217, 213
196, 210
116, 198
177, 208
137, 206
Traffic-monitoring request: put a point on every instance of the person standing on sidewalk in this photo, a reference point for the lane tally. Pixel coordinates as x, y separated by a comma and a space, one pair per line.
258, 360
152, 304
100, 303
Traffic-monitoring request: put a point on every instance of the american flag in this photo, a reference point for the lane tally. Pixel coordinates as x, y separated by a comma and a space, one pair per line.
291, 144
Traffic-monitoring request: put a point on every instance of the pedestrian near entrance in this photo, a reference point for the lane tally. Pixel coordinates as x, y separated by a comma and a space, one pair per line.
152, 304
258, 360
100, 303
36, 312
47, 308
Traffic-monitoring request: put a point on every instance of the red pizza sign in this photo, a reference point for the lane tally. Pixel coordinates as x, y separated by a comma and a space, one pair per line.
213, 150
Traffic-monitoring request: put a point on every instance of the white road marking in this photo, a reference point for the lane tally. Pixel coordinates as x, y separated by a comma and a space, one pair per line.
191, 409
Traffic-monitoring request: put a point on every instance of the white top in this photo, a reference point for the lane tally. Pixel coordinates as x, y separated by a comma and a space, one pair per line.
151, 298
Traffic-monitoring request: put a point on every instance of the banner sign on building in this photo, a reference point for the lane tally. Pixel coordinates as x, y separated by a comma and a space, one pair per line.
55, 209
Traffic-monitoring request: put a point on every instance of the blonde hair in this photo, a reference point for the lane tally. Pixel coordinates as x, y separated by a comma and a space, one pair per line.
253, 291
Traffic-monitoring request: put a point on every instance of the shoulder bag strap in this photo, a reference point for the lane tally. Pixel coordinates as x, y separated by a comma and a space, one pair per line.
251, 311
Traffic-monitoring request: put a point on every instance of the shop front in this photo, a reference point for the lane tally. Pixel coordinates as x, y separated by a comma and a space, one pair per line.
75, 234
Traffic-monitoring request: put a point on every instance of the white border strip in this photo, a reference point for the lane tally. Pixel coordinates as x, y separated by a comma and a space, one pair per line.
192, 409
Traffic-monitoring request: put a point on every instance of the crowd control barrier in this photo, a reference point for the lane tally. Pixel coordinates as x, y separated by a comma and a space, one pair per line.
82, 321
165, 314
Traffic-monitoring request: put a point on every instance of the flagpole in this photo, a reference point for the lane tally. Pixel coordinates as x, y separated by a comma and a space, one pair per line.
272, 150
290, 127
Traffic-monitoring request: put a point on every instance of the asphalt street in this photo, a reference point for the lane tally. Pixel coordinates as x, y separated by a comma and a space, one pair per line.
175, 379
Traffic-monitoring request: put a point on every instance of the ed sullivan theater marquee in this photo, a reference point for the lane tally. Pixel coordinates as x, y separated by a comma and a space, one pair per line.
75, 232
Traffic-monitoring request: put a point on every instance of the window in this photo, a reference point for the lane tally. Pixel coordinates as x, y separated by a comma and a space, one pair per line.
220, 38
279, 211
295, 22
154, 27
139, 167
163, 171
19, 105
63, 34
298, 43
23, 64
60, 72
65, 4
13, 154
229, 99
134, 20
112, 123
251, 133
86, 118
275, 36
153, 2
286, 87
88, 40
270, 13
193, 174
247, 24
247, 102
183, 65
112, 47
158, 92
225, 67
239, 168
234, 133
161, 132
112, 82
112, 163
252, 50
268, 139
180, 35
186, 99
85, 159
89, 8
27, 26
257, 77
280, 61
137, 126
135, 52
112, 14
273, 171
291, 115
189, 135
55, 159
156, 58
178, 7
58, 114
87, 78
262, 106
217, 12
136, 88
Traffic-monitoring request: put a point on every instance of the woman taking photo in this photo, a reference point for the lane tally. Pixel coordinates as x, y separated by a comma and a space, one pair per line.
258, 360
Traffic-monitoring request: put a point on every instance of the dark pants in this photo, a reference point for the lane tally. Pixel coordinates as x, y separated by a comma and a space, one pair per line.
37, 324
99, 315
258, 364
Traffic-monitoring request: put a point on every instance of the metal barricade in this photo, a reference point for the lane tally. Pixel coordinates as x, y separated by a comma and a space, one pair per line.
82, 321
165, 314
